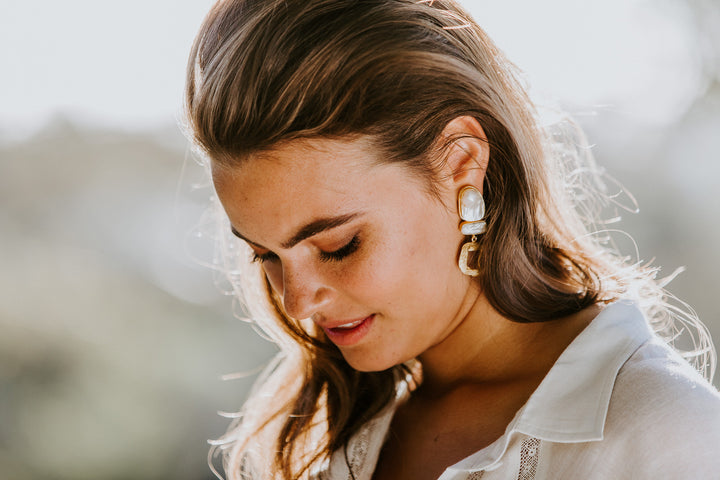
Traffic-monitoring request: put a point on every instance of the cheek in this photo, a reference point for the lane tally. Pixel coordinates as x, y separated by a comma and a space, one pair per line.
274, 274
382, 270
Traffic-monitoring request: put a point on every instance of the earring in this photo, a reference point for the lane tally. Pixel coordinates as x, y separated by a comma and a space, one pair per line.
471, 208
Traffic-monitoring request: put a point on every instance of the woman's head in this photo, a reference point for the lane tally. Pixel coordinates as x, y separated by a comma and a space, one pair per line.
396, 74
358, 244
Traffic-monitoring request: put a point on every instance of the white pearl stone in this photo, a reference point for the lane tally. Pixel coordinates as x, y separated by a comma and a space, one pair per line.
473, 228
471, 205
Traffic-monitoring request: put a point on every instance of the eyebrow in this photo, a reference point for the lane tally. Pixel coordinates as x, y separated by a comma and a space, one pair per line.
309, 230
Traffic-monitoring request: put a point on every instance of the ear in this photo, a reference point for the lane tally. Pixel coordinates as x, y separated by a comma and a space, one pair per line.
467, 155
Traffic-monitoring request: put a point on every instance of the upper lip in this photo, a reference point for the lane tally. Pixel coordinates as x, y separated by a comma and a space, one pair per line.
339, 323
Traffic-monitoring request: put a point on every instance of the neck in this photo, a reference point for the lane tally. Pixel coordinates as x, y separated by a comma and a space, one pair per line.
485, 348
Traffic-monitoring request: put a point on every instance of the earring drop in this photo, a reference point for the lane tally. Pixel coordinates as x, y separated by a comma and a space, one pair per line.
471, 208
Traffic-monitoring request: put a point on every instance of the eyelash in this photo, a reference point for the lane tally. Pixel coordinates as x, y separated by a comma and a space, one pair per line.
342, 252
335, 256
263, 257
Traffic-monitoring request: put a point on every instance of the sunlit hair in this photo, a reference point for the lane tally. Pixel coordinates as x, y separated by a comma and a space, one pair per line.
264, 72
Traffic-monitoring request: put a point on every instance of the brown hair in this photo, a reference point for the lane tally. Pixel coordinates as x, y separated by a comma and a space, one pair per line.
262, 72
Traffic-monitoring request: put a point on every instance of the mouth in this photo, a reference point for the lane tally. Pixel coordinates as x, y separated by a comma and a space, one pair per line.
350, 332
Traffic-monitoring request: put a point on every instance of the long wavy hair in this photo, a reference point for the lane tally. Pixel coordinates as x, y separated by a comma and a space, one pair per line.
262, 72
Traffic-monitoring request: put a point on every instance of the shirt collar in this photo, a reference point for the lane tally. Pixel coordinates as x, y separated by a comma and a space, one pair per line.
571, 403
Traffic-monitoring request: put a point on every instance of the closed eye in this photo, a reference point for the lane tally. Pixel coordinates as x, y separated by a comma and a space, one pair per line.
334, 256
342, 252
264, 257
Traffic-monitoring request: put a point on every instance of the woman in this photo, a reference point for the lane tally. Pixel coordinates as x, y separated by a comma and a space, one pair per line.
441, 309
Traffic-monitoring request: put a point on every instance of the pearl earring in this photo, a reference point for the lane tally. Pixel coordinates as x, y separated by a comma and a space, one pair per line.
471, 208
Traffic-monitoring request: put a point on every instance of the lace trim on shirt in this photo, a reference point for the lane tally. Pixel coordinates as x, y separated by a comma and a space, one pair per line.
529, 457
356, 457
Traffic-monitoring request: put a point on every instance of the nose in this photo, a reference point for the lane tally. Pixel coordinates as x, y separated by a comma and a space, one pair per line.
304, 293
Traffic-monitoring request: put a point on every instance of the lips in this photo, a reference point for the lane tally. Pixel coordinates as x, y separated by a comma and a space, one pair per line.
350, 325
349, 332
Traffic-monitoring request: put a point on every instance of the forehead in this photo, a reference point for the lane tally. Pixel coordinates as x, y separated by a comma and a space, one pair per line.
273, 192
297, 166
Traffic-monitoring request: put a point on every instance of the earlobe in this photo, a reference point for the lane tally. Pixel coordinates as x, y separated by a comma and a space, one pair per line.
468, 151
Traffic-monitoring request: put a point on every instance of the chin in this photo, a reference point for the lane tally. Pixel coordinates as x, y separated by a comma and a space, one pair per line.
366, 363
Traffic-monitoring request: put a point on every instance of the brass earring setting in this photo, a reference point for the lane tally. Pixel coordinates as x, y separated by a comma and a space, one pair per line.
471, 208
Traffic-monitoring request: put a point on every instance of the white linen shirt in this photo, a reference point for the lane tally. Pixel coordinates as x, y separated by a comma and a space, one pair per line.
617, 404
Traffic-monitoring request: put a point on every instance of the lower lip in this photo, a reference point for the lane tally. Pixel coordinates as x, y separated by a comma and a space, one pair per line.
349, 336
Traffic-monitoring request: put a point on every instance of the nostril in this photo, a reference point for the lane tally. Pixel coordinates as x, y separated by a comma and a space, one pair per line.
305, 302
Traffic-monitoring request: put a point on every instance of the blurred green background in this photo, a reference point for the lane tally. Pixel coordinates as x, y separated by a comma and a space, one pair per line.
113, 336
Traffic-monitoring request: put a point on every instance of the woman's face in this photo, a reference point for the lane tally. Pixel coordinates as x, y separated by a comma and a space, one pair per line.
358, 246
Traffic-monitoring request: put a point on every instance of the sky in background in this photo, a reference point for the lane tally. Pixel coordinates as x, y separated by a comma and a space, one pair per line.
121, 64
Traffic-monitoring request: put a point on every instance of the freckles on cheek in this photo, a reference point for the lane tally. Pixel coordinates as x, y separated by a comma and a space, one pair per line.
414, 260
377, 267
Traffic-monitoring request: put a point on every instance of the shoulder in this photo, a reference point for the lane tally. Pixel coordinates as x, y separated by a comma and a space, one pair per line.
664, 415
656, 380
656, 368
